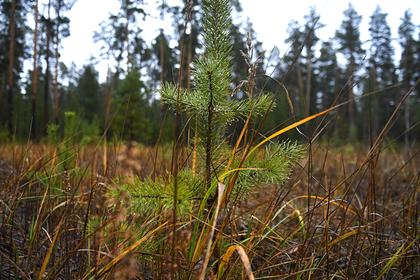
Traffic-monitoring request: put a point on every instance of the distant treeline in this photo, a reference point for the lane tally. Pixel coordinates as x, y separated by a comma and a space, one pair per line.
312, 76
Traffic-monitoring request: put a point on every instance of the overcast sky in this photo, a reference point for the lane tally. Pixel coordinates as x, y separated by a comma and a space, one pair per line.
270, 19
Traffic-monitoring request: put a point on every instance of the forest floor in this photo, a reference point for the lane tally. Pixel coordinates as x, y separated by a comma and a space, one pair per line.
345, 213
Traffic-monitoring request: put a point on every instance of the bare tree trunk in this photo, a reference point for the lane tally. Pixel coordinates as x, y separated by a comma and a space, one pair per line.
10, 74
308, 89
350, 99
161, 78
34, 76
127, 38
107, 112
2, 83
189, 60
162, 59
308, 82
407, 124
375, 104
405, 88
107, 103
47, 72
300, 86
57, 59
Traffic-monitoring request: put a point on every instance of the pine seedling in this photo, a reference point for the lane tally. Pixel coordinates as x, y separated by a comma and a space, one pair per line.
210, 104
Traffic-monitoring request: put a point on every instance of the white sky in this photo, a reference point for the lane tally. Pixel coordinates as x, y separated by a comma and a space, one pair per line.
270, 19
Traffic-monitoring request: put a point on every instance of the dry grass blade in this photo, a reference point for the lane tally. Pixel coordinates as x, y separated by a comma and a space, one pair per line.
342, 237
337, 202
49, 252
292, 126
281, 85
300, 219
244, 258
221, 190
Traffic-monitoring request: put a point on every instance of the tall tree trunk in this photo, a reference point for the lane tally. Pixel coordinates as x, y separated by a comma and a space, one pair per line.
189, 60
34, 76
162, 59
2, 83
161, 47
10, 74
308, 89
300, 86
406, 84
127, 38
107, 111
308, 82
47, 72
350, 98
407, 123
107, 103
56, 49
375, 103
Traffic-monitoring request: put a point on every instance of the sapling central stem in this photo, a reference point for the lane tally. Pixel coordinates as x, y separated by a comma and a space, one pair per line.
209, 133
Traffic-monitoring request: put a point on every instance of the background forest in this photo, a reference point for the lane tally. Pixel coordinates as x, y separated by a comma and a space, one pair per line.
37, 89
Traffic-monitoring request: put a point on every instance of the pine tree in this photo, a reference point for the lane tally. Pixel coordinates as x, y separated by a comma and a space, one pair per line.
11, 65
121, 42
34, 76
12, 54
293, 73
60, 30
348, 37
407, 67
129, 121
187, 28
311, 39
211, 105
189, 19
417, 67
329, 76
162, 70
383, 70
417, 87
36, 105
239, 65
121, 37
165, 59
48, 29
209, 102
88, 92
